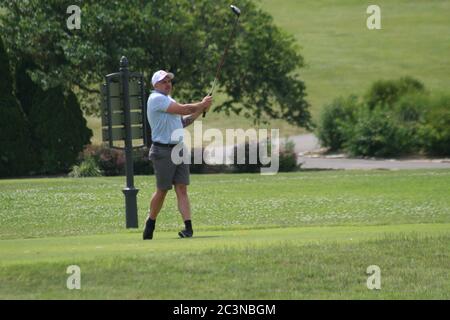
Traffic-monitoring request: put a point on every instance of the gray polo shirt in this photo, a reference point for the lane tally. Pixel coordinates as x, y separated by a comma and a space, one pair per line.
162, 123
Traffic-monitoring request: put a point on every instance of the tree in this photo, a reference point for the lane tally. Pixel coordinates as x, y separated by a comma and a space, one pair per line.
6, 87
59, 129
260, 78
16, 156
26, 89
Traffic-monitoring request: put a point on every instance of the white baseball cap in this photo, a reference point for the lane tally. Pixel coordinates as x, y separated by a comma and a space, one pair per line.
160, 75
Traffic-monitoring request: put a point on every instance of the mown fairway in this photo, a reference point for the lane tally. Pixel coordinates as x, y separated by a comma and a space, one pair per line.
291, 236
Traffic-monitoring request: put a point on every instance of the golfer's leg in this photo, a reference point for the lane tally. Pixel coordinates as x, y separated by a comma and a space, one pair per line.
183, 201
157, 202
164, 172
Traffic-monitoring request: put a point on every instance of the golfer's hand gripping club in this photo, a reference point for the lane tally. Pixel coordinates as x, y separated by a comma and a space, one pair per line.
209, 95
206, 102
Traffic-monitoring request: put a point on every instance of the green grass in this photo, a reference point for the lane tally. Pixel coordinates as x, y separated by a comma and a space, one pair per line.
305, 235
303, 263
342, 56
80, 248
63, 206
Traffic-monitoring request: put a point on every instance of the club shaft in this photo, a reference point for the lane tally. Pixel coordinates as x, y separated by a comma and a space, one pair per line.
222, 61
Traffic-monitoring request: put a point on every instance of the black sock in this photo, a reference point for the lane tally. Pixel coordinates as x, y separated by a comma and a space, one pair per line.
150, 222
188, 224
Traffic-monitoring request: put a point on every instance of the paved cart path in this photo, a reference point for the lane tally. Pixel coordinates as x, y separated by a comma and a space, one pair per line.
306, 144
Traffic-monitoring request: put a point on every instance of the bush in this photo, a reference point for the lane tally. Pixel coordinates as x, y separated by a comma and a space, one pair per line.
409, 112
110, 161
386, 92
141, 164
203, 168
377, 134
288, 158
388, 123
88, 168
396, 117
244, 164
197, 167
333, 121
435, 132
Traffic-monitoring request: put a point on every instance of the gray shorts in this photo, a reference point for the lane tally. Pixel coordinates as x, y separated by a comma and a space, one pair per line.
167, 173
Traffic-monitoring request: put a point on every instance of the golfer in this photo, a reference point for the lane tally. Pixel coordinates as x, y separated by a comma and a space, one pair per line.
165, 116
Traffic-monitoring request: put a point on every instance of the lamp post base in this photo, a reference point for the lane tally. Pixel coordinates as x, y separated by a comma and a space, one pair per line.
131, 207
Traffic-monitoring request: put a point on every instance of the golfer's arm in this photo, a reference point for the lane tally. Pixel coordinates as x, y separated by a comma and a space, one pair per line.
185, 109
188, 120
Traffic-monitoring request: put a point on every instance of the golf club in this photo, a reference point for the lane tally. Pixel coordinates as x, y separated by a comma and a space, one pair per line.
237, 12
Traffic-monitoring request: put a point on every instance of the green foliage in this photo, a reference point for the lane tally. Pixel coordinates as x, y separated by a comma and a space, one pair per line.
410, 108
260, 78
389, 121
435, 133
387, 92
377, 133
110, 161
388, 129
88, 168
26, 89
409, 113
78, 124
288, 158
59, 128
333, 121
397, 117
6, 79
203, 168
245, 163
16, 153
141, 164
343, 57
